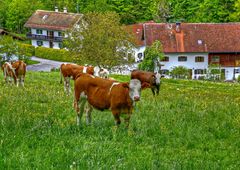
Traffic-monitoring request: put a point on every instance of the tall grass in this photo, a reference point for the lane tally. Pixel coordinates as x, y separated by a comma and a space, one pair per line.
190, 125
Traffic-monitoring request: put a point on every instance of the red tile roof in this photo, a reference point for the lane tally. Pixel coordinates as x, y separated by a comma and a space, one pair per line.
192, 37
52, 20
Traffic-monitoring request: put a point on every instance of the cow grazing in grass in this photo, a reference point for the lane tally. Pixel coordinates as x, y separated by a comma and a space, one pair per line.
69, 71
8, 72
15, 71
94, 92
153, 79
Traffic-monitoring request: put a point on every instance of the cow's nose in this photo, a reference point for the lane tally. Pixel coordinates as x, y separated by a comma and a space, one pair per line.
136, 98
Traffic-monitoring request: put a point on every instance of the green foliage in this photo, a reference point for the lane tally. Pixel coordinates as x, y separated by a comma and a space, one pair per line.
8, 47
180, 72
18, 12
26, 49
152, 55
14, 13
190, 125
101, 40
235, 16
54, 54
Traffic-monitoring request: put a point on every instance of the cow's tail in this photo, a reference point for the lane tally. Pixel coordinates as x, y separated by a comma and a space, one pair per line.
61, 75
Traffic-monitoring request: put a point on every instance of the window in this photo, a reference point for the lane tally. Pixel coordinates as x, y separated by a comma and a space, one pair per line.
182, 58
60, 34
39, 43
60, 45
164, 71
215, 59
198, 71
237, 70
166, 58
199, 59
39, 31
140, 55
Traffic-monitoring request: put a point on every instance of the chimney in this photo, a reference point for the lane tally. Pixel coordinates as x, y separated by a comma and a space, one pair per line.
178, 27
56, 9
64, 9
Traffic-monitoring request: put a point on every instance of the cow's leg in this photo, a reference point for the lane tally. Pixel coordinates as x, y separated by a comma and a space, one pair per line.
158, 88
116, 115
88, 110
153, 90
65, 84
127, 119
79, 104
69, 86
22, 80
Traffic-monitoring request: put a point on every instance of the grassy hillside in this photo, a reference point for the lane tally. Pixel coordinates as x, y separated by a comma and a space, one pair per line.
189, 125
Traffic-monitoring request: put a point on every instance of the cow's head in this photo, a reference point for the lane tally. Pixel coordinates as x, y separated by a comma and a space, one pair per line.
135, 89
103, 73
157, 78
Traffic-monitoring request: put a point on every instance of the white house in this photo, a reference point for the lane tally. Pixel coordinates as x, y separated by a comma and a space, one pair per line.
47, 27
195, 46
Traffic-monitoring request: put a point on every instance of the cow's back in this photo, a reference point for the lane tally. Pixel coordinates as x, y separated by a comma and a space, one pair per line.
143, 76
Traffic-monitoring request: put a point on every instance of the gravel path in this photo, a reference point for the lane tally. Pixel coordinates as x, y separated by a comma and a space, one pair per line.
44, 65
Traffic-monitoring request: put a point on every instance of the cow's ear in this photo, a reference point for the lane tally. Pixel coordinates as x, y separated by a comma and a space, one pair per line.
125, 85
145, 85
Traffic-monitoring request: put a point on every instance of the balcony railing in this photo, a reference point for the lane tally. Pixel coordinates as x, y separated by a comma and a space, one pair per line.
44, 37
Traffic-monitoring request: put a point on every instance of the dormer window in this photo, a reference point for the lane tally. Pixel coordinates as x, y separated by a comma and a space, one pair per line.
200, 42
44, 17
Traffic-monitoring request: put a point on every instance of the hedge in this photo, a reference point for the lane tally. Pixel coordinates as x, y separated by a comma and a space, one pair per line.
26, 49
54, 54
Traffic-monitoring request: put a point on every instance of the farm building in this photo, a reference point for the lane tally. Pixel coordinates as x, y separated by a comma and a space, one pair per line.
193, 45
47, 27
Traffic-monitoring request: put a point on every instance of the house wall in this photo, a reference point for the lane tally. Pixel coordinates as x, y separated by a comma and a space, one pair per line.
190, 63
34, 31
45, 43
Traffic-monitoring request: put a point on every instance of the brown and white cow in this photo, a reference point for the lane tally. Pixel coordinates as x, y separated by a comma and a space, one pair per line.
94, 92
69, 71
153, 79
15, 71
8, 72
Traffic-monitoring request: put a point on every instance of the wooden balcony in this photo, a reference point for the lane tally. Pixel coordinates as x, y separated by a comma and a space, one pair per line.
44, 37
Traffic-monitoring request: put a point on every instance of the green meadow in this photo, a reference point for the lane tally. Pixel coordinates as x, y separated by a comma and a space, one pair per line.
190, 125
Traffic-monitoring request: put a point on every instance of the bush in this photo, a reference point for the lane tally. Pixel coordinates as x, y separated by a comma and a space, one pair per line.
54, 54
152, 55
180, 72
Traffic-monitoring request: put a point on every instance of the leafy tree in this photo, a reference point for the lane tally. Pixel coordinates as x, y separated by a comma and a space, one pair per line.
18, 13
152, 56
100, 40
180, 72
235, 16
8, 47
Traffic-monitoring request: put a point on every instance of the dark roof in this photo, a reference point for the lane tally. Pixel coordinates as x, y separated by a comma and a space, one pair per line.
4, 32
52, 20
191, 37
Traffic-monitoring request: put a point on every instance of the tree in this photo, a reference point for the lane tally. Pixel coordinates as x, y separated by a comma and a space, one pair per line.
8, 47
235, 16
100, 40
152, 56
18, 13
180, 72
